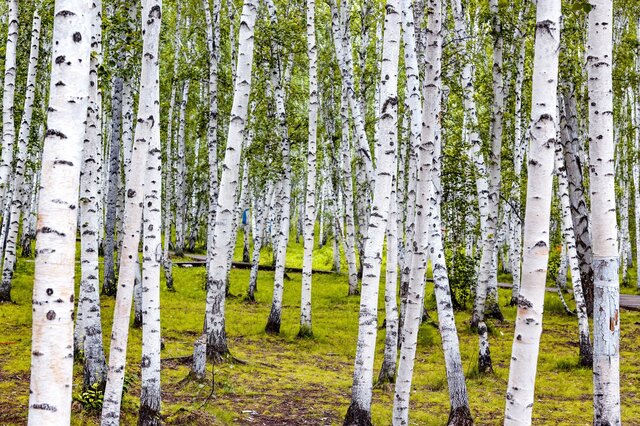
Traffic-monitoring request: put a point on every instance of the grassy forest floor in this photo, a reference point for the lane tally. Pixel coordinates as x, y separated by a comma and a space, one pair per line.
288, 381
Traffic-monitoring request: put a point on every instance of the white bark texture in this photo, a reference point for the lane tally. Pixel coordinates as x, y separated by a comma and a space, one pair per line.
95, 367
53, 289
586, 353
310, 204
8, 96
635, 107
606, 303
152, 225
216, 270
347, 190
148, 118
524, 354
359, 412
17, 193
284, 200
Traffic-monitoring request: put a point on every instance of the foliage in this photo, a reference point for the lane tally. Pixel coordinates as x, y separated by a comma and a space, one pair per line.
462, 276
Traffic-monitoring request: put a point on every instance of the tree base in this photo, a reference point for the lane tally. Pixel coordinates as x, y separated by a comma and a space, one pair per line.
273, 326
149, 416
355, 292
386, 378
493, 311
356, 416
305, 332
460, 416
5, 296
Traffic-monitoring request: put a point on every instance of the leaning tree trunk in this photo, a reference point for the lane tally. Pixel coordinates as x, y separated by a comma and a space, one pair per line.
17, 193
216, 270
579, 209
524, 354
359, 412
606, 304
586, 353
145, 132
53, 288
8, 96
310, 200
152, 237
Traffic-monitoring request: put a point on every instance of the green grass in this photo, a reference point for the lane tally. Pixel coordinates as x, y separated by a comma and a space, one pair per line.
287, 379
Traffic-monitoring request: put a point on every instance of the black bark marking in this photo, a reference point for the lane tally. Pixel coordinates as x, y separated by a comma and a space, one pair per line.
51, 315
77, 37
60, 59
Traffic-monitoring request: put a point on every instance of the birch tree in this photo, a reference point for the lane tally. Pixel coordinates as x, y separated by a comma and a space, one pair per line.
524, 354
216, 270
152, 244
310, 207
95, 367
359, 412
147, 115
8, 96
53, 287
606, 304
17, 193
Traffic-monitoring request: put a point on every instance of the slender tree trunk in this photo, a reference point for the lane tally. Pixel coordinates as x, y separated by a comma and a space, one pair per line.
8, 96
586, 353
524, 354
95, 368
216, 270
53, 288
579, 209
388, 370
606, 304
17, 192
180, 173
359, 412
310, 206
109, 286
152, 244
145, 133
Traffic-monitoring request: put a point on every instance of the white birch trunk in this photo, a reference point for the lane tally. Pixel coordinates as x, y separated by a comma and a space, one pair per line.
216, 270
152, 225
53, 289
8, 96
180, 173
95, 368
388, 369
359, 412
347, 190
310, 207
284, 201
148, 118
606, 304
524, 354
586, 353
17, 193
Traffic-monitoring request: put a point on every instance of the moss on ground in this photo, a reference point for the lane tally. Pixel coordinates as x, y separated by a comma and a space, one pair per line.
287, 380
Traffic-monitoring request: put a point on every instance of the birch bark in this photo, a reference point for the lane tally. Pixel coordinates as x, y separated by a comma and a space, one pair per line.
8, 96
359, 412
152, 226
17, 193
524, 355
606, 304
147, 119
216, 270
53, 288
310, 205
